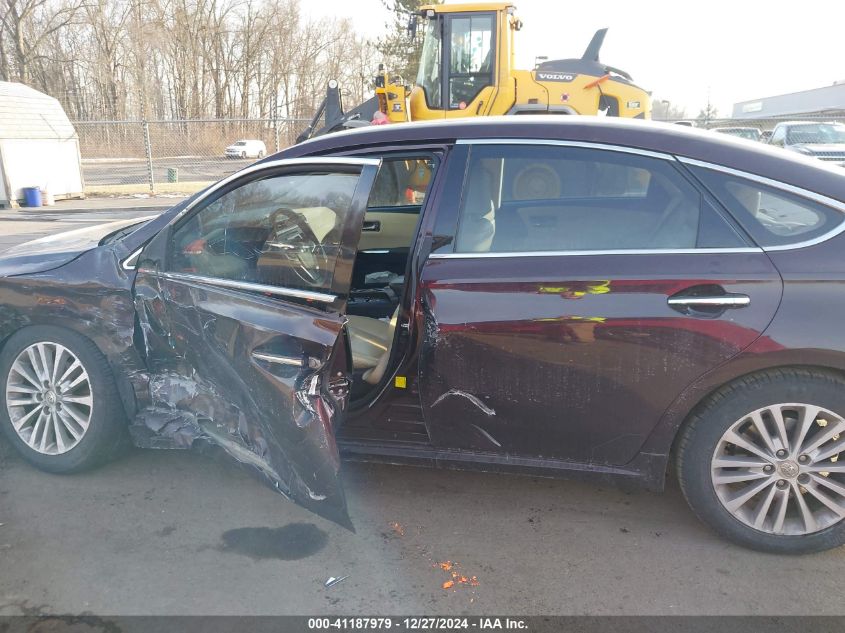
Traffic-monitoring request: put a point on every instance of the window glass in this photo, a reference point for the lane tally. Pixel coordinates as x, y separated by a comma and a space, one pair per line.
815, 133
428, 75
401, 182
521, 198
282, 231
471, 58
771, 216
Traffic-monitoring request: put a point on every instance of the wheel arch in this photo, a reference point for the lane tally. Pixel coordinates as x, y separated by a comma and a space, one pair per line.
122, 382
696, 397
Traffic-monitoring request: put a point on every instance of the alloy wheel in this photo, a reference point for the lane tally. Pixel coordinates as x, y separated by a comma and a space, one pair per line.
49, 398
777, 469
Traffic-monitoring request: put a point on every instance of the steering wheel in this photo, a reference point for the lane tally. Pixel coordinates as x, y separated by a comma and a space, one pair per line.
292, 238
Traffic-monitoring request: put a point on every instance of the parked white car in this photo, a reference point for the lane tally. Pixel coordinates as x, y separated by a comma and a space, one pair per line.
246, 148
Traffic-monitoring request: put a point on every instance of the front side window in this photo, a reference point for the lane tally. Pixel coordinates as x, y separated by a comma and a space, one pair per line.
283, 230
523, 198
771, 216
471, 58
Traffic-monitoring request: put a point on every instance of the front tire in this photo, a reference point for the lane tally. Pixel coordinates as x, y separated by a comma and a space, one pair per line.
59, 406
759, 461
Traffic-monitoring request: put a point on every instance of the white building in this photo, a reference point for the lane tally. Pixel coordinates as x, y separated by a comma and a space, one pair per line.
827, 101
38, 146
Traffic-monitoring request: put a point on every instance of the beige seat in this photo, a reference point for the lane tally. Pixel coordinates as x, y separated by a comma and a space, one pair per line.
477, 226
371, 340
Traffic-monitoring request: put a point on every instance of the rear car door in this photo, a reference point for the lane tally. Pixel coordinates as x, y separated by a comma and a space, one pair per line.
584, 289
241, 304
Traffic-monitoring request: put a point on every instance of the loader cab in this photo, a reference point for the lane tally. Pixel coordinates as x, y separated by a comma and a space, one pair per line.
462, 59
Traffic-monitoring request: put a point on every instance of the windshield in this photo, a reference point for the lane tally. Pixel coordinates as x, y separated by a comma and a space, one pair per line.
121, 233
818, 133
240, 143
428, 77
742, 132
470, 58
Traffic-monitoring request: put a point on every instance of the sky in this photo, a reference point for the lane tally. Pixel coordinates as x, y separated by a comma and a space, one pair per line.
727, 50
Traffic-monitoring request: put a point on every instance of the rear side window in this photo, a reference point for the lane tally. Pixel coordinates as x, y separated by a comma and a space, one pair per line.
523, 198
771, 216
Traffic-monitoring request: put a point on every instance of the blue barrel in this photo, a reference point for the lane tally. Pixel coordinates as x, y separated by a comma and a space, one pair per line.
32, 196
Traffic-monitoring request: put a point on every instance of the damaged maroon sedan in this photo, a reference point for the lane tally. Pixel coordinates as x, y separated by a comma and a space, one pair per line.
562, 296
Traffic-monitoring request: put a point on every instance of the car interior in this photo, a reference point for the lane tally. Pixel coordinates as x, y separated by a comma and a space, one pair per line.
271, 232
378, 275
519, 204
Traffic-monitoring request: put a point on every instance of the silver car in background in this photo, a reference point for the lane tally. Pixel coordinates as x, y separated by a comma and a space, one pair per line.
825, 141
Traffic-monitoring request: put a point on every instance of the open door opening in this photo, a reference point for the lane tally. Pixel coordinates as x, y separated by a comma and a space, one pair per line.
376, 310
385, 403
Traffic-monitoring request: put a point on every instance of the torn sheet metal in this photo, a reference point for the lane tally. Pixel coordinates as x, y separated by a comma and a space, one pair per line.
216, 375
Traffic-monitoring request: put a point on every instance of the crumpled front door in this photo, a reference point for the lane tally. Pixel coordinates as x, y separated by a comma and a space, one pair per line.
240, 304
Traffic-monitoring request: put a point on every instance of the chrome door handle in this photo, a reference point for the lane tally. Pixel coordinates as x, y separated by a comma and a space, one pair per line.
716, 301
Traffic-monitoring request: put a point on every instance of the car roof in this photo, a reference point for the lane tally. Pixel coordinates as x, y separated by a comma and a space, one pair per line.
654, 136
807, 123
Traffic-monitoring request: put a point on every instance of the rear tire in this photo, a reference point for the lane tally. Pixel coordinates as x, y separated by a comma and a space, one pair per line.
59, 405
260, 154
754, 461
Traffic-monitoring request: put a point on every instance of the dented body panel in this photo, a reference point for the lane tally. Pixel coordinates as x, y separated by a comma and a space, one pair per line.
211, 379
575, 357
91, 295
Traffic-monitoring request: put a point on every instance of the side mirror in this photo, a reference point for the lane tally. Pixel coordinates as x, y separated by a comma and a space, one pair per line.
412, 27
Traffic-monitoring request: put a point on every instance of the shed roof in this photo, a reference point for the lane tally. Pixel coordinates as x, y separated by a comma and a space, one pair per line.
26, 113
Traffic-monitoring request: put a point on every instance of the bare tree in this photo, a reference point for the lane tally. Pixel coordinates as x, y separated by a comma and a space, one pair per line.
28, 25
180, 59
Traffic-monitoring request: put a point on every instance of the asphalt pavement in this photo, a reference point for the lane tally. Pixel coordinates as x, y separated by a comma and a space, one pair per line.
173, 532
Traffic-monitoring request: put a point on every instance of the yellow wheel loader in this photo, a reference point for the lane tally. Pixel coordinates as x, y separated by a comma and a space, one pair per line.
467, 69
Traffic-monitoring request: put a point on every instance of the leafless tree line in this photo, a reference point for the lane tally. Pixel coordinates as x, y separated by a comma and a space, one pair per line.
180, 59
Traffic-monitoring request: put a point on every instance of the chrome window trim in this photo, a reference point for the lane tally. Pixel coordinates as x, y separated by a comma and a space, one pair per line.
278, 360
282, 162
128, 264
585, 145
231, 284
633, 251
775, 184
563, 143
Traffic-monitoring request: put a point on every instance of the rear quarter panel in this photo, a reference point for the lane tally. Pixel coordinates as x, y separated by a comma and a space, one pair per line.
808, 330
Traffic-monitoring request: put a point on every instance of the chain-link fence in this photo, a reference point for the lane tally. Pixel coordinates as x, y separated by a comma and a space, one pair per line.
136, 157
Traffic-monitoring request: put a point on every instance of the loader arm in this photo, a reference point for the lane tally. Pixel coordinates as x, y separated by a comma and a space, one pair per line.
333, 118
